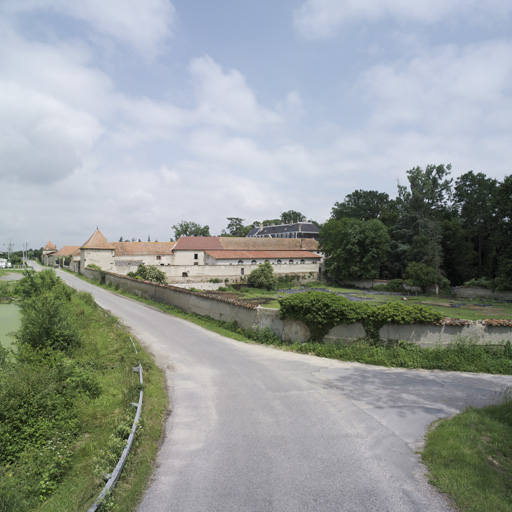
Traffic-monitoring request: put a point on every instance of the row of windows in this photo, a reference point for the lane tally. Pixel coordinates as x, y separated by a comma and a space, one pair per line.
279, 262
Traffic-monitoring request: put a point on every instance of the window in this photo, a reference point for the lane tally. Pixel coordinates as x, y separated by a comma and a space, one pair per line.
240, 262
303, 261
279, 262
196, 256
253, 262
184, 274
242, 271
159, 257
291, 261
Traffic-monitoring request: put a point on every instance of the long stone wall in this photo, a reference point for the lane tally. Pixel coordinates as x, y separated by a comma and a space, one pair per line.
258, 317
473, 293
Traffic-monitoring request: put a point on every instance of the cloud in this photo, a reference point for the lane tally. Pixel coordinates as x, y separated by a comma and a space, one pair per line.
225, 100
446, 90
42, 139
317, 19
143, 25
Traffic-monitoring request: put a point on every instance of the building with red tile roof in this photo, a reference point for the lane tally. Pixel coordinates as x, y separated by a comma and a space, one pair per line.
195, 259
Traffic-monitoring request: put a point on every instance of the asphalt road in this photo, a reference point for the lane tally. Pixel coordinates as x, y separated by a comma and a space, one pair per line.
255, 429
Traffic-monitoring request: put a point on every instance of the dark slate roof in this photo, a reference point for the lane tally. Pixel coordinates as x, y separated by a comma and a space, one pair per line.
305, 227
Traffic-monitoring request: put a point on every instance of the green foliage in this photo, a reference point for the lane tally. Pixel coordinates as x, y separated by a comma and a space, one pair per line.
263, 277
424, 276
188, 228
322, 311
354, 249
362, 205
46, 323
93, 266
149, 273
34, 284
236, 227
291, 217
395, 286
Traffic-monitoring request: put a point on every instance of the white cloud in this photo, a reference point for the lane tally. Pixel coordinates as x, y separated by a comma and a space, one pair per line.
225, 100
143, 25
42, 139
316, 19
447, 90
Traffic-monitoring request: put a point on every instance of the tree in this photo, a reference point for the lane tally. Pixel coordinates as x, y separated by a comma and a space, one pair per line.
236, 228
263, 277
474, 200
188, 228
362, 205
354, 249
291, 217
421, 208
423, 275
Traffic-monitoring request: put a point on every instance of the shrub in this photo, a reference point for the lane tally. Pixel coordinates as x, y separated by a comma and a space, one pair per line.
263, 277
46, 324
150, 273
33, 284
321, 311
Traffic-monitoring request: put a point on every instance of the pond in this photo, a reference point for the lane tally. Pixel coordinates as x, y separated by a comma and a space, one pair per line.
10, 321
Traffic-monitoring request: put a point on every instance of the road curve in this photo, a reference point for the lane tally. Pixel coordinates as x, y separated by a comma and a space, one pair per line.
255, 429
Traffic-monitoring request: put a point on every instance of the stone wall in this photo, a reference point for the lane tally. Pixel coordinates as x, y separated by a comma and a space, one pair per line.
290, 330
473, 293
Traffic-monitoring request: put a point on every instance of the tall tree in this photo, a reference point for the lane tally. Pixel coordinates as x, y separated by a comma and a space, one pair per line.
421, 210
362, 205
236, 227
354, 249
188, 228
503, 235
474, 199
291, 217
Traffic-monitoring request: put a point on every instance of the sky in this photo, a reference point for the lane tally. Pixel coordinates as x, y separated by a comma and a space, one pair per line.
133, 115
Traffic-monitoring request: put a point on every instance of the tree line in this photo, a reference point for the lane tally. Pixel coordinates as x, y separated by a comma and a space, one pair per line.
435, 231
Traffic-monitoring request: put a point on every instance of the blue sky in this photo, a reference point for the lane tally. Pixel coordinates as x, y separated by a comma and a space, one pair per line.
134, 115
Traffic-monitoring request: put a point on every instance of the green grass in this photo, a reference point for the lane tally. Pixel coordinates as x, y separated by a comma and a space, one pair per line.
469, 458
108, 352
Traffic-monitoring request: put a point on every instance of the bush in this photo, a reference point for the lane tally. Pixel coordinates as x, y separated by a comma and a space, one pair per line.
149, 273
394, 286
263, 277
46, 323
321, 311
33, 284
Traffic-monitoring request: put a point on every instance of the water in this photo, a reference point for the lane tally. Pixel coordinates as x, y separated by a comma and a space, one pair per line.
10, 321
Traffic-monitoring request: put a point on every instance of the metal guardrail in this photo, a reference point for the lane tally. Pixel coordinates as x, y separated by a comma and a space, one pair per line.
114, 477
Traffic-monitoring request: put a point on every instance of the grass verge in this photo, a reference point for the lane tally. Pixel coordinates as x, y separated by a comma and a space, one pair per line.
469, 458
464, 355
101, 422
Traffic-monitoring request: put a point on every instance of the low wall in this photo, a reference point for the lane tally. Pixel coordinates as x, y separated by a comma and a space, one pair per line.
472, 293
190, 302
250, 317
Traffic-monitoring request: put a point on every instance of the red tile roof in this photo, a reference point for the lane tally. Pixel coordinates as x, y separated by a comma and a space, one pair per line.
252, 255
268, 244
67, 250
49, 247
143, 248
216, 243
198, 243
97, 241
